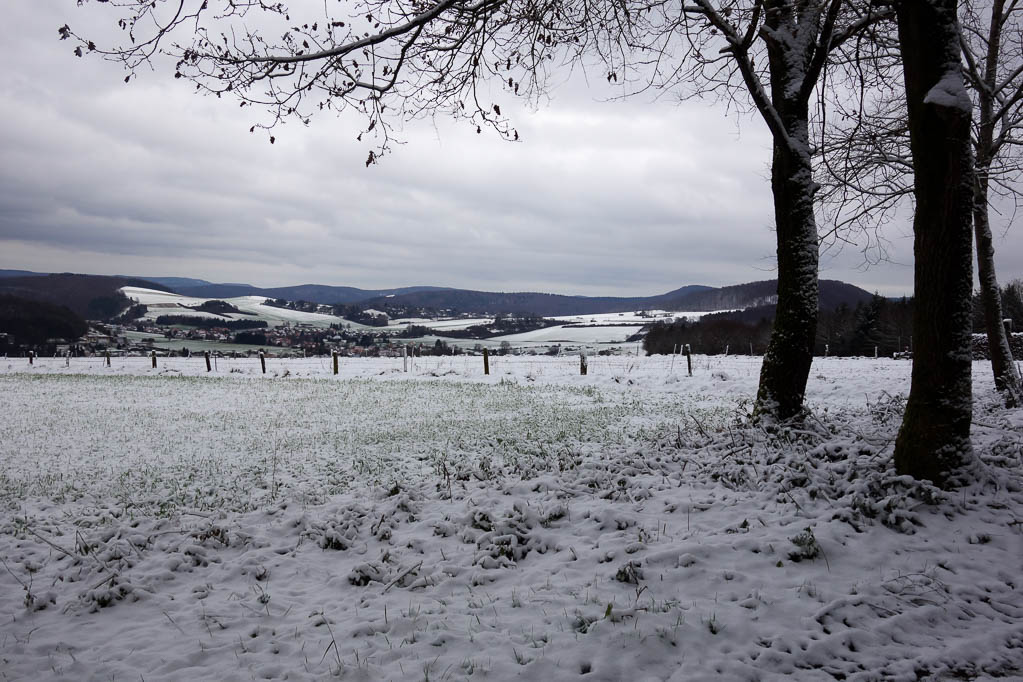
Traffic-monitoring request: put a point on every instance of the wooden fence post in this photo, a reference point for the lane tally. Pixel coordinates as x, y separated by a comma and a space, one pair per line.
207, 356
106, 353
152, 355
334, 354
404, 358
486, 361
689, 358
67, 359
262, 361
31, 357
582, 363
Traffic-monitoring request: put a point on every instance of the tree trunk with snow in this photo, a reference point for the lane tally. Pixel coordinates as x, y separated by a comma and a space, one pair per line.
935, 436
787, 361
1007, 379
789, 354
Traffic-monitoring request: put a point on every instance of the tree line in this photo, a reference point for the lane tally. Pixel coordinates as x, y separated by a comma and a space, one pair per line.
884, 325
208, 322
880, 323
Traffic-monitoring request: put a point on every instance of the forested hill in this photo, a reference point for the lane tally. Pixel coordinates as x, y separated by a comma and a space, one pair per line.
690, 298
753, 294
31, 323
313, 293
460, 301
94, 297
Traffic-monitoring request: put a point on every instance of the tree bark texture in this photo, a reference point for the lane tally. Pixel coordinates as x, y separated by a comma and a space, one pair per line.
786, 365
934, 439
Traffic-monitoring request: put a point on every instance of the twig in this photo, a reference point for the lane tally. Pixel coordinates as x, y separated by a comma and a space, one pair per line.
173, 623
401, 575
104, 581
14, 575
51, 544
57, 547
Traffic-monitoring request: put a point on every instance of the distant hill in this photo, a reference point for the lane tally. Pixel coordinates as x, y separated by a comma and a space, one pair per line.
763, 293
687, 299
94, 297
175, 283
20, 273
459, 301
314, 293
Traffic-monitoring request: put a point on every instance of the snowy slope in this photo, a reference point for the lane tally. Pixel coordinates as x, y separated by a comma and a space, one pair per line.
166, 303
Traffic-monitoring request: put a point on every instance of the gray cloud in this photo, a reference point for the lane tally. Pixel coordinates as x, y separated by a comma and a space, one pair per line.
633, 197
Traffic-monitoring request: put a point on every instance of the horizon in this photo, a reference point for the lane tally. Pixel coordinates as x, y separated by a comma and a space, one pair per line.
153, 279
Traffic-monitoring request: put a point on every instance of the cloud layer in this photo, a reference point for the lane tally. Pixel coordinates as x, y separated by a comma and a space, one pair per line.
634, 197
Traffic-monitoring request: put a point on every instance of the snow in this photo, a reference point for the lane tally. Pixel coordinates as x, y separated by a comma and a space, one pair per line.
639, 316
563, 334
950, 93
166, 303
535, 524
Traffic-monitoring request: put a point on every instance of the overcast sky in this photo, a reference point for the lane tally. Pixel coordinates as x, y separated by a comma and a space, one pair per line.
598, 198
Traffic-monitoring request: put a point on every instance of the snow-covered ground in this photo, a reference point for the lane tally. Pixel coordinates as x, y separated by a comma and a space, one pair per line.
563, 334
640, 317
533, 524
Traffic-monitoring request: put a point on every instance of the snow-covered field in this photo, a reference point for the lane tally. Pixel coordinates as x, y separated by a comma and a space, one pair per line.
563, 334
252, 307
533, 524
640, 317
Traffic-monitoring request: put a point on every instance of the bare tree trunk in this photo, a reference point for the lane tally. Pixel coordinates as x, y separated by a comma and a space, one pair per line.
1007, 378
934, 439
